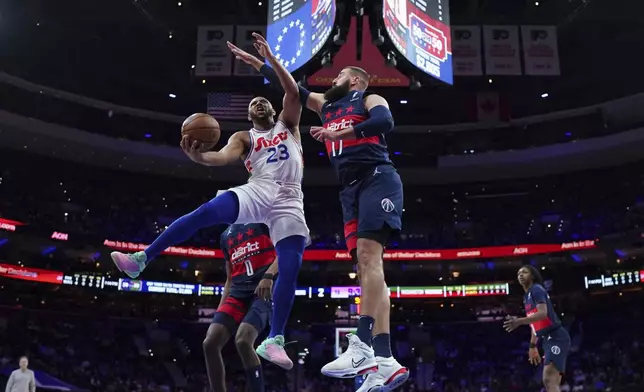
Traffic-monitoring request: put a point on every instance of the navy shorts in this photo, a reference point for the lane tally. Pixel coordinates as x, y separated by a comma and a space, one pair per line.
238, 309
556, 346
371, 204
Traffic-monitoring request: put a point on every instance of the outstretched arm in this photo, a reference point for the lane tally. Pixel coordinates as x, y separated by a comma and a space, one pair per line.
312, 101
227, 155
380, 122
291, 107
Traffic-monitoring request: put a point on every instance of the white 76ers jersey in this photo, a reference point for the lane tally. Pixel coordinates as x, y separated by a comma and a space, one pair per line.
275, 155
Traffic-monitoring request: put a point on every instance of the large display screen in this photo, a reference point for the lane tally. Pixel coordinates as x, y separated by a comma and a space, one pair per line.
297, 29
615, 279
420, 30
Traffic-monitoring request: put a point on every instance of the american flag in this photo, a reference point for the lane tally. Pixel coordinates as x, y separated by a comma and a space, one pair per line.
229, 106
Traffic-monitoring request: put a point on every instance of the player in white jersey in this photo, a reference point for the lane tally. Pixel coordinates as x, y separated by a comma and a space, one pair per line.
272, 153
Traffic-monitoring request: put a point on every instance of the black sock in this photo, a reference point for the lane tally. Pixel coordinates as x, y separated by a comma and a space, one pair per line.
365, 326
382, 345
255, 379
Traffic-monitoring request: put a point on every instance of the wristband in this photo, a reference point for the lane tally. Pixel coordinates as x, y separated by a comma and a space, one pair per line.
268, 276
532, 345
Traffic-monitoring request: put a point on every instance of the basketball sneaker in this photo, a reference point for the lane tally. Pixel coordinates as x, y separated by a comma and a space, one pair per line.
357, 360
390, 375
132, 264
272, 350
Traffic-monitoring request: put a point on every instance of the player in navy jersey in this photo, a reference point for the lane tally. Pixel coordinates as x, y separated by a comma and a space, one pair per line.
245, 307
545, 326
354, 127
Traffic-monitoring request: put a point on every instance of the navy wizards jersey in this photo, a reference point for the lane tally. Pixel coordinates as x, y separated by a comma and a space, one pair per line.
352, 159
249, 250
538, 295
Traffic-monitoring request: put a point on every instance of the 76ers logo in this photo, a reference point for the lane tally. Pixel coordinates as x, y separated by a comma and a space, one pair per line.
263, 142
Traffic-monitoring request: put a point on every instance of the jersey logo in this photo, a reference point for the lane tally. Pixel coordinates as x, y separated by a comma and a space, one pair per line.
354, 97
555, 350
338, 126
263, 142
387, 205
243, 251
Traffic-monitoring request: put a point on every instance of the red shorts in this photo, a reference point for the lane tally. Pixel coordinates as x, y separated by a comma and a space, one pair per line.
251, 310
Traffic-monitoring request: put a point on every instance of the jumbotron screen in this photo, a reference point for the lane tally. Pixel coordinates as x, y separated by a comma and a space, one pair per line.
297, 29
420, 30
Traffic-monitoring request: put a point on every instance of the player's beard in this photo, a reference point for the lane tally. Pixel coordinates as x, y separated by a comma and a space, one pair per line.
264, 119
337, 92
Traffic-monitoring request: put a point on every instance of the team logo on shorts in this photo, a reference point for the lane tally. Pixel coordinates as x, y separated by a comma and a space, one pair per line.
387, 205
555, 350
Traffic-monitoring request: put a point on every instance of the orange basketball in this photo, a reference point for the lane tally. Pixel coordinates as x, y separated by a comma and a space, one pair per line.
202, 127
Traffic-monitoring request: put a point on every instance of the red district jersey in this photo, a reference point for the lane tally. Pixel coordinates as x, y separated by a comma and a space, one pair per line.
538, 295
249, 250
352, 159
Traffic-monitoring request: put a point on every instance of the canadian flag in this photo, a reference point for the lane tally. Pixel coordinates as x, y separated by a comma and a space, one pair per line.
487, 107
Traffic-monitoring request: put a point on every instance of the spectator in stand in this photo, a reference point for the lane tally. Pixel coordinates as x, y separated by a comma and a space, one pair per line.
22, 379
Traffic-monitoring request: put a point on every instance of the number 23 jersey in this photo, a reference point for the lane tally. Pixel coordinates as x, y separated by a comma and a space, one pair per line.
275, 155
249, 251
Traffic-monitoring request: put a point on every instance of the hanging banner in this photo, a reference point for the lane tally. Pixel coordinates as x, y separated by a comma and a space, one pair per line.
372, 61
466, 48
487, 106
244, 40
540, 51
213, 56
501, 45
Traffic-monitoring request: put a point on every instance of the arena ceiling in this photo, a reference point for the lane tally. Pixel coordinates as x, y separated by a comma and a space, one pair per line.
136, 52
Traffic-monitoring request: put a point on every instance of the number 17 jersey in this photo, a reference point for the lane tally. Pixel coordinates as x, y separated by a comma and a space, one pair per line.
275, 155
249, 251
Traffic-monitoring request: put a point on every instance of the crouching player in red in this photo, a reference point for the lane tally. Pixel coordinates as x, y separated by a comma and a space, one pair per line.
245, 306
546, 327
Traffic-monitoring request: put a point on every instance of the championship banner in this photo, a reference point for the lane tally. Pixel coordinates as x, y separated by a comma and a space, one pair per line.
501, 45
466, 48
33, 274
390, 255
244, 40
213, 56
372, 61
540, 50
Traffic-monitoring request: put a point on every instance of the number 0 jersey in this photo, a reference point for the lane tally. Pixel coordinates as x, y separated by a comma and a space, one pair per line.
352, 159
249, 251
275, 155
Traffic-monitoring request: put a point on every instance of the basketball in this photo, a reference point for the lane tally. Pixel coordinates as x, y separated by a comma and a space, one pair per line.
202, 127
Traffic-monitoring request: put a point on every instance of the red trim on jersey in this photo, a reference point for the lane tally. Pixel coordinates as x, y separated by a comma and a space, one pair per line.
350, 143
541, 324
234, 308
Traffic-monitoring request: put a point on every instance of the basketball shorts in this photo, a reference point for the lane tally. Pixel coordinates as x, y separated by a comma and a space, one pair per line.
372, 204
556, 346
280, 206
238, 309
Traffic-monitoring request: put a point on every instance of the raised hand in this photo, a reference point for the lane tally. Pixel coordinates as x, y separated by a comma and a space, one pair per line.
192, 148
262, 46
243, 55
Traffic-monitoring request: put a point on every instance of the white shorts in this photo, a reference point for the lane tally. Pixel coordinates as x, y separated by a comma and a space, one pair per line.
279, 206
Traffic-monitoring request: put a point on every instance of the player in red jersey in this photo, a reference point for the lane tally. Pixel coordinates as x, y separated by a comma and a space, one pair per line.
245, 306
355, 125
545, 326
